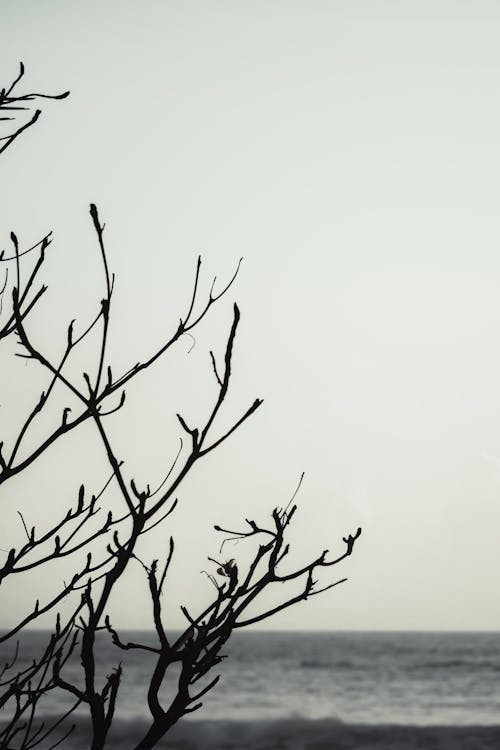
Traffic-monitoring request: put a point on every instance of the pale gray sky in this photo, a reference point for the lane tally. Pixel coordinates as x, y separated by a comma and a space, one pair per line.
350, 151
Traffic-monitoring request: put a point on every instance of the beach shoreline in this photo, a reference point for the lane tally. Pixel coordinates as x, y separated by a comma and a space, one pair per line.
297, 734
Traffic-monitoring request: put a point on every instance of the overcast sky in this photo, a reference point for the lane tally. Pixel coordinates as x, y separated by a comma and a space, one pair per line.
350, 152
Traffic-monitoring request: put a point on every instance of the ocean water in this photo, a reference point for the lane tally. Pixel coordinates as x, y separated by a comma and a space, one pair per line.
446, 679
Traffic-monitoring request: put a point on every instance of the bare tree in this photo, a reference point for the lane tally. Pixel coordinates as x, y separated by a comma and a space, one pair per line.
101, 545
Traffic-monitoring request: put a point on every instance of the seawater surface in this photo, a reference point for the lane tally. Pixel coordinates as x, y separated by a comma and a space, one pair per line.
375, 678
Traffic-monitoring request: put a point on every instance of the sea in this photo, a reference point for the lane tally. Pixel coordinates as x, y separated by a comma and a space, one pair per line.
357, 678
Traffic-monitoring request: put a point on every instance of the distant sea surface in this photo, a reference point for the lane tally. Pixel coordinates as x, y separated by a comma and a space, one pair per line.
447, 679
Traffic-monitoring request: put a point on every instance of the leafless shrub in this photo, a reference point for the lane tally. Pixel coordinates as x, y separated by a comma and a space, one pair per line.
101, 393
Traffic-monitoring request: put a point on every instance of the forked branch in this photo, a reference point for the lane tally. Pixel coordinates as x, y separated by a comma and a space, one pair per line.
198, 650
13, 104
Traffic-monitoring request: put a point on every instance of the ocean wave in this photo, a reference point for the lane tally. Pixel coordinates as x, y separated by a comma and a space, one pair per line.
297, 734
322, 664
469, 665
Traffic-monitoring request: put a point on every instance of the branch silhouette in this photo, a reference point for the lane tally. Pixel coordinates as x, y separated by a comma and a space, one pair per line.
98, 544
13, 105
